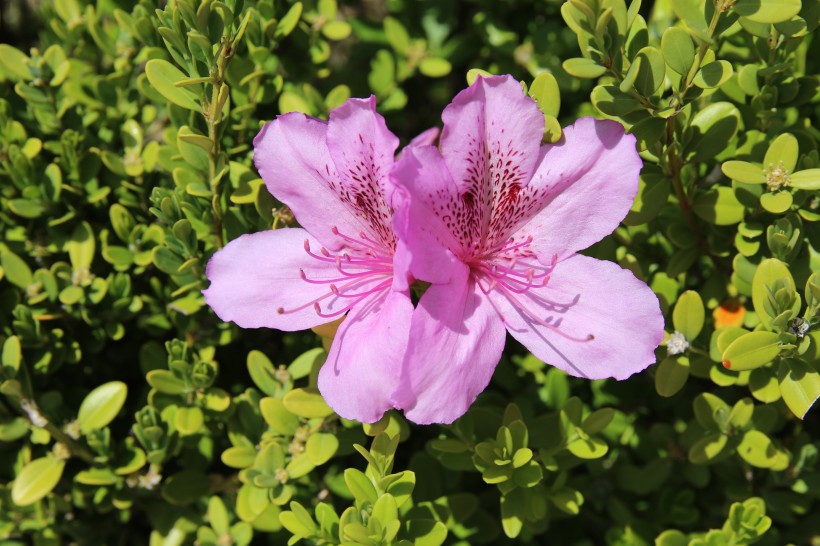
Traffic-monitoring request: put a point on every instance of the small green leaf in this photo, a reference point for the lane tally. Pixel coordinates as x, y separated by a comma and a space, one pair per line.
671, 376
707, 448
36, 480
544, 90
689, 315
163, 75
711, 130
282, 421
612, 101
806, 180
757, 449
320, 447
81, 247
776, 202
360, 485
337, 30
651, 72
782, 149
435, 67
397, 35
742, 171
713, 74
188, 420
12, 355
767, 11
306, 403
719, 206
15, 62
751, 351
17, 272
101, 406
678, 50
799, 386
289, 21
769, 275
583, 68
239, 456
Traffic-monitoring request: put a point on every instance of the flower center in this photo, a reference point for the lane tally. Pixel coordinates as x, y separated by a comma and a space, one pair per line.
777, 176
510, 270
365, 268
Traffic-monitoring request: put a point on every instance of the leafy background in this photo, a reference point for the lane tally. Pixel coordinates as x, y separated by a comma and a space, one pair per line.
130, 414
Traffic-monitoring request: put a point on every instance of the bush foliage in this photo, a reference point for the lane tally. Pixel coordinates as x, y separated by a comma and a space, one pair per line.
130, 414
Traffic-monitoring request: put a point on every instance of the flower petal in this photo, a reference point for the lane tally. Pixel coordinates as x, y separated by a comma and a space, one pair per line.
585, 185
586, 297
426, 245
456, 339
362, 149
490, 142
255, 275
292, 156
364, 365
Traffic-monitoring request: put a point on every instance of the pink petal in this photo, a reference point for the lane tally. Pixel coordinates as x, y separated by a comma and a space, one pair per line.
292, 157
364, 365
490, 142
426, 246
362, 149
456, 339
621, 312
256, 275
585, 184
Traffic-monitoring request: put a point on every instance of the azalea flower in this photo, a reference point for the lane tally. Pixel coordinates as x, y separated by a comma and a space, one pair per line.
494, 220
334, 177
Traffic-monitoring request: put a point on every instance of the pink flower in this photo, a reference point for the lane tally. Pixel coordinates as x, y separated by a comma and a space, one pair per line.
334, 177
494, 221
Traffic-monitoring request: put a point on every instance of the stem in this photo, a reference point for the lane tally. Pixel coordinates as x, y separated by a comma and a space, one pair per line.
214, 116
690, 77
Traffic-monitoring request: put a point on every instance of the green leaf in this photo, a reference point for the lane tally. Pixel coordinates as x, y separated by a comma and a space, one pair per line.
707, 448
289, 21
769, 275
776, 202
320, 447
757, 449
101, 406
806, 180
435, 67
282, 421
583, 68
689, 315
239, 456
653, 192
188, 420
782, 149
163, 75
711, 130
306, 403
81, 247
678, 50
713, 74
767, 11
337, 30
426, 532
360, 486
15, 62
261, 371
165, 382
397, 35
544, 90
36, 480
218, 515
742, 171
17, 272
651, 72
12, 355
612, 101
751, 351
719, 206
671, 376
799, 386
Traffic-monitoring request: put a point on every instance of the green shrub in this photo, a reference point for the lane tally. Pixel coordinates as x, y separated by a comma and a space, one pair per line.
130, 414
